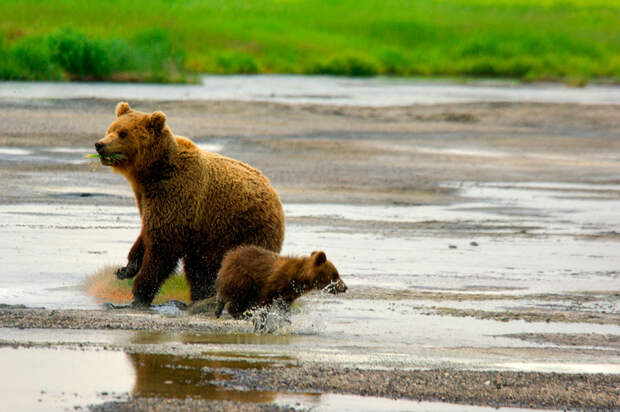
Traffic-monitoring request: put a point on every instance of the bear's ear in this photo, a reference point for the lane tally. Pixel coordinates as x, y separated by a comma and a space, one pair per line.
122, 108
157, 121
319, 258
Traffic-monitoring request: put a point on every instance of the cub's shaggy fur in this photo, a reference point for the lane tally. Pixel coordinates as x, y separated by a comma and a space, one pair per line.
251, 276
194, 205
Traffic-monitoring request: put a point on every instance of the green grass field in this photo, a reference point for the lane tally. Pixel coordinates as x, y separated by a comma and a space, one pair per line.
570, 40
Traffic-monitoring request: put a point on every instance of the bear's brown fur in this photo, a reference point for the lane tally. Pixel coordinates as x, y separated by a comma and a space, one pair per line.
251, 276
194, 205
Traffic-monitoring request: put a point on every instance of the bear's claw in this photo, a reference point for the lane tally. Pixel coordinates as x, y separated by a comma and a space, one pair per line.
126, 272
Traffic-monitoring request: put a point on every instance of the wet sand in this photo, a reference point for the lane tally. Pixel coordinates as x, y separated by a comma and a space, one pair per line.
393, 155
388, 157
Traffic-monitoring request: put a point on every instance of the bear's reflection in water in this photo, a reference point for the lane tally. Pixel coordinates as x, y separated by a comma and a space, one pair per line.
171, 376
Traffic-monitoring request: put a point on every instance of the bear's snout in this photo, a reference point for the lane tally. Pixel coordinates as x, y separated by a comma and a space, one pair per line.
99, 147
336, 287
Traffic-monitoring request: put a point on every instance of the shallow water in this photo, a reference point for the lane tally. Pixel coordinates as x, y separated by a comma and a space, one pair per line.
49, 379
320, 90
49, 249
52, 247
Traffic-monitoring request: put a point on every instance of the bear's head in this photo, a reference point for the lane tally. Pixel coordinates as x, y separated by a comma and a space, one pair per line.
134, 138
325, 275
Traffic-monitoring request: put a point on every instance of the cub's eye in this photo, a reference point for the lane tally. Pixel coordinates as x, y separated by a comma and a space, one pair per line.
122, 134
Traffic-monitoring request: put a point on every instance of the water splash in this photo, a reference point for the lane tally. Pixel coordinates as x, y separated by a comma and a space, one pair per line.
280, 318
272, 319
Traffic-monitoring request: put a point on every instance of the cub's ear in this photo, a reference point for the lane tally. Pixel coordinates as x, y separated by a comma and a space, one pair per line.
319, 258
122, 108
157, 121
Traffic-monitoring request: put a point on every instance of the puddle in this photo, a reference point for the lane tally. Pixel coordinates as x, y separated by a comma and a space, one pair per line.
516, 206
45, 155
46, 379
354, 403
14, 151
562, 367
220, 339
463, 152
178, 377
55, 379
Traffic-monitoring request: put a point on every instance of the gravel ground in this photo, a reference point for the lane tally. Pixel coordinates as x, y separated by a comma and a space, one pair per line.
528, 390
26, 318
496, 389
182, 405
529, 315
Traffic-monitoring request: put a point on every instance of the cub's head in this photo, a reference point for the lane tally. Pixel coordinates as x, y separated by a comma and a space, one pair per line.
325, 275
133, 136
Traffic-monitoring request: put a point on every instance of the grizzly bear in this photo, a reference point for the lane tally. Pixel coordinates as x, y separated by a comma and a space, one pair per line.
251, 276
194, 205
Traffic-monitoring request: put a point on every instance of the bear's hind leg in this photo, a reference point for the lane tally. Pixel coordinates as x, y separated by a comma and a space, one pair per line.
201, 273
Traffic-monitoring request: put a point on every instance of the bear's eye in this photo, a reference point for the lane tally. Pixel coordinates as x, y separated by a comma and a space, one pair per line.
122, 134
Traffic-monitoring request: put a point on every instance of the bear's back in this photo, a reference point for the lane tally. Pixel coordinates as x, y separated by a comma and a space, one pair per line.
254, 262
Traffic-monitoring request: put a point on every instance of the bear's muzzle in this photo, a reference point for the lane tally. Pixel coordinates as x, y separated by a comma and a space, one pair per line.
336, 287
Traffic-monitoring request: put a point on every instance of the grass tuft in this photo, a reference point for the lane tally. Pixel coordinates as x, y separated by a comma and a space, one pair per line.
233, 62
68, 54
349, 65
105, 287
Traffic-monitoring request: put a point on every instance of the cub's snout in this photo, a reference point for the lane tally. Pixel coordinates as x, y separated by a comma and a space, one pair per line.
336, 287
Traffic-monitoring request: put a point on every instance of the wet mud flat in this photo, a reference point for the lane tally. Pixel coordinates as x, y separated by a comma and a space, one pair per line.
479, 243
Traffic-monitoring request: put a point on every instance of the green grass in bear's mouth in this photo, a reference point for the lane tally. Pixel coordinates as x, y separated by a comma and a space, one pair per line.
114, 156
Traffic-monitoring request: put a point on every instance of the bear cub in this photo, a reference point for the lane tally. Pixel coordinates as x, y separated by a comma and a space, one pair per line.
251, 276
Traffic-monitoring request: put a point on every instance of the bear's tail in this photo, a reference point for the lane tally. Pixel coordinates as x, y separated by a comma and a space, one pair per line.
219, 307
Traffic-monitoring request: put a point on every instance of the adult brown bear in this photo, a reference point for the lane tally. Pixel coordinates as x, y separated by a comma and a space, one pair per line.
194, 205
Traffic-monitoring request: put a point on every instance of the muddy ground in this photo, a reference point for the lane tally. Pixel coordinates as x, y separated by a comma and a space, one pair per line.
393, 155
350, 155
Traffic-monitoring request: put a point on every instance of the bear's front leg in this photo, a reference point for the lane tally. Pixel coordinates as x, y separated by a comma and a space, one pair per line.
157, 265
136, 254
